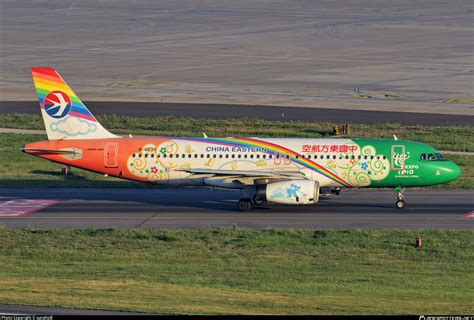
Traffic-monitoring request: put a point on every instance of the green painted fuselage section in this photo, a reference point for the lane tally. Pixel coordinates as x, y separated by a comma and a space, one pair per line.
401, 164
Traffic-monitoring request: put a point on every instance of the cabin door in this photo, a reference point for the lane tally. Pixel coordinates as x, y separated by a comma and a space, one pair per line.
111, 155
398, 157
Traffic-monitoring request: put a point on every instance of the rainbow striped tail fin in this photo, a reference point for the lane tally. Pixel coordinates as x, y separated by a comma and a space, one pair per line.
64, 115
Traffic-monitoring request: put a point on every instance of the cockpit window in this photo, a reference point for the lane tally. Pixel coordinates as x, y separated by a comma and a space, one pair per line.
432, 156
439, 156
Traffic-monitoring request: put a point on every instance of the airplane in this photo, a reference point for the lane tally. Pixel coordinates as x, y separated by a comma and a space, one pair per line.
277, 170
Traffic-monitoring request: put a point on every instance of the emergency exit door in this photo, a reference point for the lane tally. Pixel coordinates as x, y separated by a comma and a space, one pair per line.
111, 155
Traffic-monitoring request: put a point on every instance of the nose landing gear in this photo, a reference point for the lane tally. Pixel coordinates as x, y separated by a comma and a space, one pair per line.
400, 204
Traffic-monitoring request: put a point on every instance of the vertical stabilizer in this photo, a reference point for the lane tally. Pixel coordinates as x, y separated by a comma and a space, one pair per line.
64, 115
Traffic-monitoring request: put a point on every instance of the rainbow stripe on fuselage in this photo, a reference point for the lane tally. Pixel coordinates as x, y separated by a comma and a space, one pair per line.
272, 148
48, 80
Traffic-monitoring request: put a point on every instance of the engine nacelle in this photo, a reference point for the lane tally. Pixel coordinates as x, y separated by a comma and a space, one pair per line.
289, 192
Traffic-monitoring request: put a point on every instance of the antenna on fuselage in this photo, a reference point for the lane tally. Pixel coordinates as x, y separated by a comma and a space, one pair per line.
395, 137
204, 134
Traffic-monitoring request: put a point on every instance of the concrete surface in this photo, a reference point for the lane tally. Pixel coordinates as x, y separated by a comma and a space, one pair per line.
410, 56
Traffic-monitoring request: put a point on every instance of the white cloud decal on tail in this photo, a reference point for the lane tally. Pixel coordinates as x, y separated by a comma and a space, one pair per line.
72, 126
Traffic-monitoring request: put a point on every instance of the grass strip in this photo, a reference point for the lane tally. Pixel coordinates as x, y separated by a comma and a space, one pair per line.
235, 271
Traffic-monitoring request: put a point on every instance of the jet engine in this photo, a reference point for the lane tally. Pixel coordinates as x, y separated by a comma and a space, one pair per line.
289, 192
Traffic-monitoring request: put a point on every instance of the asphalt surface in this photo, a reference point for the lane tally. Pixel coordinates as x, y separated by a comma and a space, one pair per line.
217, 111
199, 208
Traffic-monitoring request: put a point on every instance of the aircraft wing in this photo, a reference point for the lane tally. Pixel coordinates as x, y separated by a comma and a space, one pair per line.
284, 173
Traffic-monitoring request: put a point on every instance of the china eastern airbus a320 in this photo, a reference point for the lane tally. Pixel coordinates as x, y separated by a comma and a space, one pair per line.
288, 171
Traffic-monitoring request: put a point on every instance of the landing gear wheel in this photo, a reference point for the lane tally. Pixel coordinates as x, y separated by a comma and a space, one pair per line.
400, 204
244, 204
257, 200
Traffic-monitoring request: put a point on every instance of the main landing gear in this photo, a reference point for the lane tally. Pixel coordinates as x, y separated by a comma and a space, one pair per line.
245, 204
400, 204
248, 203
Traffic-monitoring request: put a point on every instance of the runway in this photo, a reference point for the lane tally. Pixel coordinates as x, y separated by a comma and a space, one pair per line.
219, 111
202, 208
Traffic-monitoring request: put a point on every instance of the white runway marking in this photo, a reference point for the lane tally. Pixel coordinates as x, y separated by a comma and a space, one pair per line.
23, 207
469, 215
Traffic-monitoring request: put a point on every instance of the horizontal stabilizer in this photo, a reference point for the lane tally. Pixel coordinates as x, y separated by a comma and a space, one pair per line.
68, 153
65, 151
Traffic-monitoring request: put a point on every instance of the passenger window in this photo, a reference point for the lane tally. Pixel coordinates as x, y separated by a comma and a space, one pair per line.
189, 155
220, 156
226, 156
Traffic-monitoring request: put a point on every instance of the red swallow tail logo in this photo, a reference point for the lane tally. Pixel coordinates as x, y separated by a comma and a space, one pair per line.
57, 104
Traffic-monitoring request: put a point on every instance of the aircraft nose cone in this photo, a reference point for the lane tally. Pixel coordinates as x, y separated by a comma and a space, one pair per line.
456, 171
452, 171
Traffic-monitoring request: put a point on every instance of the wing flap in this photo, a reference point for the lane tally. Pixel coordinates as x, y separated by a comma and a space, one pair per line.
218, 173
